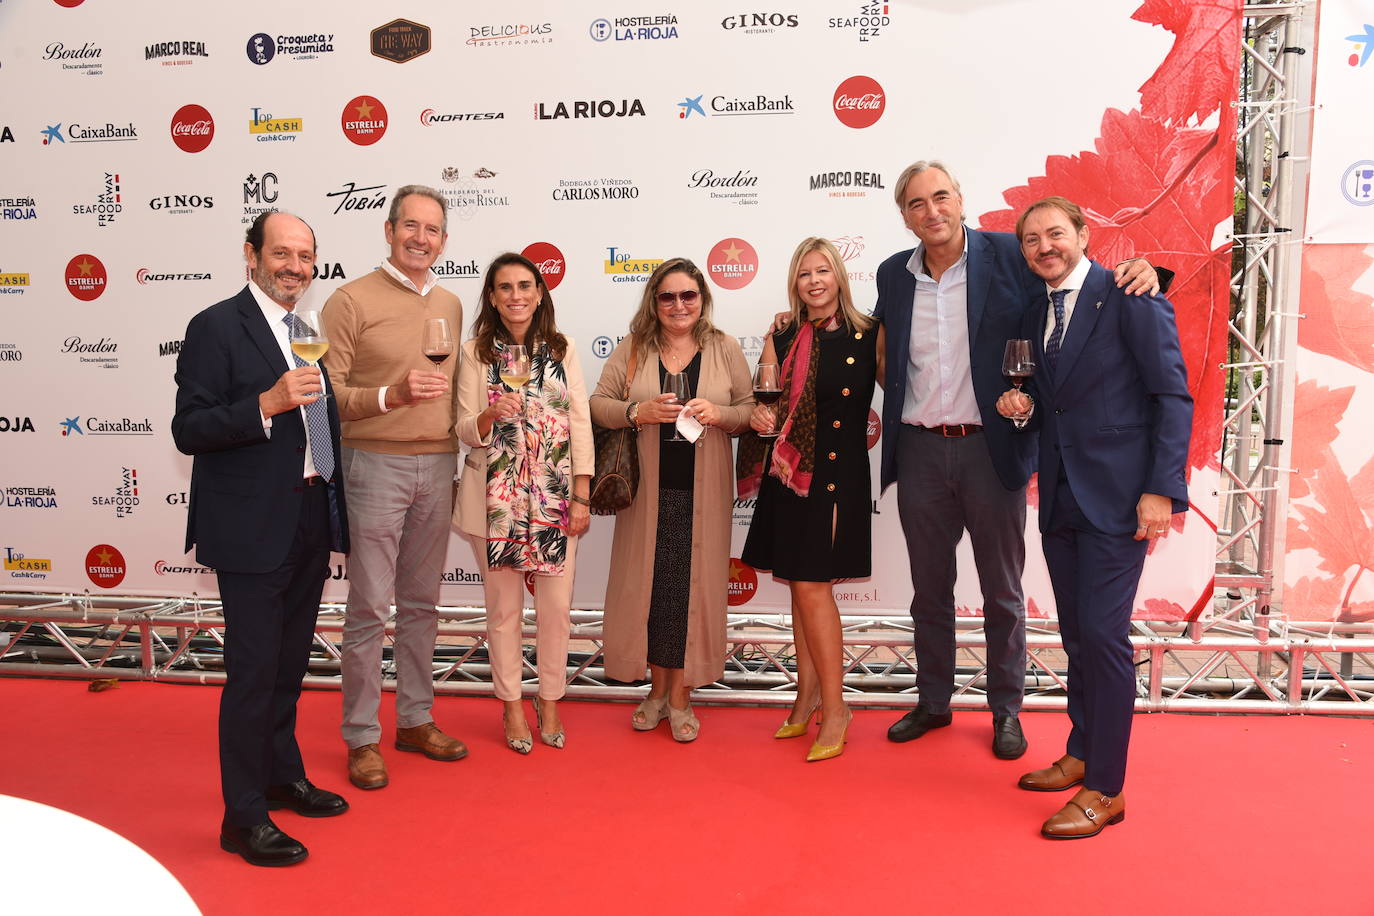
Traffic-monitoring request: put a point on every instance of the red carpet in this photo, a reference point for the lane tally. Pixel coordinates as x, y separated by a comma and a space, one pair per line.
1252, 815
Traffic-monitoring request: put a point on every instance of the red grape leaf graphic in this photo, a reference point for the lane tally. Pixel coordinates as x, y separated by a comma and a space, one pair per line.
1340, 320
1324, 599
1362, 486
1154, 190
1336, 527
1199, 74
1314, 429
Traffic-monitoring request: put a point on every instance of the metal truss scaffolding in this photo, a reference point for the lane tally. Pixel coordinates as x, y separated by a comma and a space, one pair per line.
1240, 655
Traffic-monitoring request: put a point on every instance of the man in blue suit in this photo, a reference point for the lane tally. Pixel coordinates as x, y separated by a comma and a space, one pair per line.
266, 508
949, 306
1114, 414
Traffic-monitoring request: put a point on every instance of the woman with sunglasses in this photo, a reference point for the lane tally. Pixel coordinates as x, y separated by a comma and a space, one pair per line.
812, 522
670, 559
522, 501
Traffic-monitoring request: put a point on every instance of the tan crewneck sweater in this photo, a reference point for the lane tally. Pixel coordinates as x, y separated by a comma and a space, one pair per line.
375, 328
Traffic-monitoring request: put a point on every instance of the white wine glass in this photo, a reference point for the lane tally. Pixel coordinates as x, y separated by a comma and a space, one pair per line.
515, 370
309, 341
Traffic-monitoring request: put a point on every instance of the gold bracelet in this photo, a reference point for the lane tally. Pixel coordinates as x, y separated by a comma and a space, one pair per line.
580, 499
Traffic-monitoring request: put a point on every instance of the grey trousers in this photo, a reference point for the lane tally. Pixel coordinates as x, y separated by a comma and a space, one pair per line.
399, 511
944, 487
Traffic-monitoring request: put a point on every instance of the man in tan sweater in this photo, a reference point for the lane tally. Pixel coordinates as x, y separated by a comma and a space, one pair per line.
399, 455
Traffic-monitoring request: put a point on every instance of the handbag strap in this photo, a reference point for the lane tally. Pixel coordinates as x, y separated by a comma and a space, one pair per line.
630, 369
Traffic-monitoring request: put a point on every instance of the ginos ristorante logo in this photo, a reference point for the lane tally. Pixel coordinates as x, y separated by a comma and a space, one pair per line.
732, 263
743, 583
85, 277
105, 565
859, 101
549, 260
192, 128
364, 120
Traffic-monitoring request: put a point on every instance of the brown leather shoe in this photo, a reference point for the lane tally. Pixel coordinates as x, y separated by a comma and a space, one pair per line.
428, 740
366, 769
1064, 773
1085, 815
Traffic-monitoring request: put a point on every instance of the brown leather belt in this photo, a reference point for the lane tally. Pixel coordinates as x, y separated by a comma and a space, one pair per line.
957, 431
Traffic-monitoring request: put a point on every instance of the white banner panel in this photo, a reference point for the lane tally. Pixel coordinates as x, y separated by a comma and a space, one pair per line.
1340, 195
138, 140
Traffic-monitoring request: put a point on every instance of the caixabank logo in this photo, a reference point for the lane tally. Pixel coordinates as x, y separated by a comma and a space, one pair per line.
449, 269
105, 565
364, 120
400, 41
735, 106
549, 259
732, 263
192, 128
859, 102
83, 132
85, 277
1363, 46
106, 426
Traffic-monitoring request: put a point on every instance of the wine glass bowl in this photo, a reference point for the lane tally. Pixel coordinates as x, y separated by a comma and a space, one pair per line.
308, 339
1018, 364
767, 391
437, 340
675, 383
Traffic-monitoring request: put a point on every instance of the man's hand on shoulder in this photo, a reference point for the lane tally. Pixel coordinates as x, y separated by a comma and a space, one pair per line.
295, 388
1137, 276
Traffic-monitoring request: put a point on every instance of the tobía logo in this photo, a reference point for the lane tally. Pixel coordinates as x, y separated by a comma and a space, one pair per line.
364, 120
192, 128
105, 565
859, 102
400, 40
85, 277
549, 260
732, 263
352, 197
742, 584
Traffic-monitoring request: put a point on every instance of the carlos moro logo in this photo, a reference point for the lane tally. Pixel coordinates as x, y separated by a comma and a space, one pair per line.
163, 568
100, 426
732, 263
400, 40
634, 28
867, 21
144, 276
105, 565
192, 128
550, 262
591, 108
510, 33
742, 584
429, 117
85, 277
859, 102
364, 120
267, 128
175, 53
84, 60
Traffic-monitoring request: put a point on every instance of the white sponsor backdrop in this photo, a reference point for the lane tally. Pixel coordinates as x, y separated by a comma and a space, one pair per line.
1340, 202
87, 385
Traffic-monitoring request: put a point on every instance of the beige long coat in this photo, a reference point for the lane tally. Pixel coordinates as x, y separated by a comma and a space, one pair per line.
724, 381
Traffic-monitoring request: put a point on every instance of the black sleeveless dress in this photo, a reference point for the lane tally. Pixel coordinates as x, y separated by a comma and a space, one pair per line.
790, 535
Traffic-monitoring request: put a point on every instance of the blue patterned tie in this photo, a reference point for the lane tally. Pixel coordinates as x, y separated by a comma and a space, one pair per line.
1057, 333
316, 415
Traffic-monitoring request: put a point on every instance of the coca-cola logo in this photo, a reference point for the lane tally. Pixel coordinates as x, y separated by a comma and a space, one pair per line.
732, 263
550, 262
85, 277
859, 102
743, 583
192, 128
875, 428
364, 120
105, 565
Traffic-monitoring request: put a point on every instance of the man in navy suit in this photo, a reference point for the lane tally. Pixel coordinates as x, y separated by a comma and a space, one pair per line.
949, 306
1114, 414
266, 508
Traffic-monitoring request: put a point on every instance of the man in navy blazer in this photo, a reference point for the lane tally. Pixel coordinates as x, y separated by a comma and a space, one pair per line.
266, 508
949, 306
1114, 414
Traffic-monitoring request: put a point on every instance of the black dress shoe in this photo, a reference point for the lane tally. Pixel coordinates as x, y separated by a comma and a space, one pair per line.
305, 799
916, 723
261, 844
1008, 742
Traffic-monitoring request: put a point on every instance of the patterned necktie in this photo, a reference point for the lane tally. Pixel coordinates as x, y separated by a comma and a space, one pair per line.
316, 416
1057, 333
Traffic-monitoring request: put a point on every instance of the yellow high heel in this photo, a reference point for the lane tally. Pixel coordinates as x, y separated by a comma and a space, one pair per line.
796, 729
826, 751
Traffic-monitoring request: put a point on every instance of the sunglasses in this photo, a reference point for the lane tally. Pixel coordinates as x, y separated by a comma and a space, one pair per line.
688, 296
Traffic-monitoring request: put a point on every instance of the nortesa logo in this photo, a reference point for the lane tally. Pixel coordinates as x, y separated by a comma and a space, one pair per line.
550, 262
364, 120
192, 128
859, 102
85, 277
1364, 45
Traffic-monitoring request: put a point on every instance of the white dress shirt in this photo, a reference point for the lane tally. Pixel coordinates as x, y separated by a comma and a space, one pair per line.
274, 314
939, 378
1072, 284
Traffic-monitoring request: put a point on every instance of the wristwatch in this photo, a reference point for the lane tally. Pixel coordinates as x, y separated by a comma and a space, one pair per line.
632, 415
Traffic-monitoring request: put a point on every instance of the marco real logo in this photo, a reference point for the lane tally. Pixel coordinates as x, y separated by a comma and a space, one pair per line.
85, 277
179, 53
732, 263
364, 120
859, 102
192, 128
549, 260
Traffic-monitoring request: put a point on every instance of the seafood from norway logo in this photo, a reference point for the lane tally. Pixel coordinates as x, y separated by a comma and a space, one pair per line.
105, 565
192, 128
107, 205
85, 277
732, 263
124, 498
871, 17
742, 584
364, 120
549, 260
859, 102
